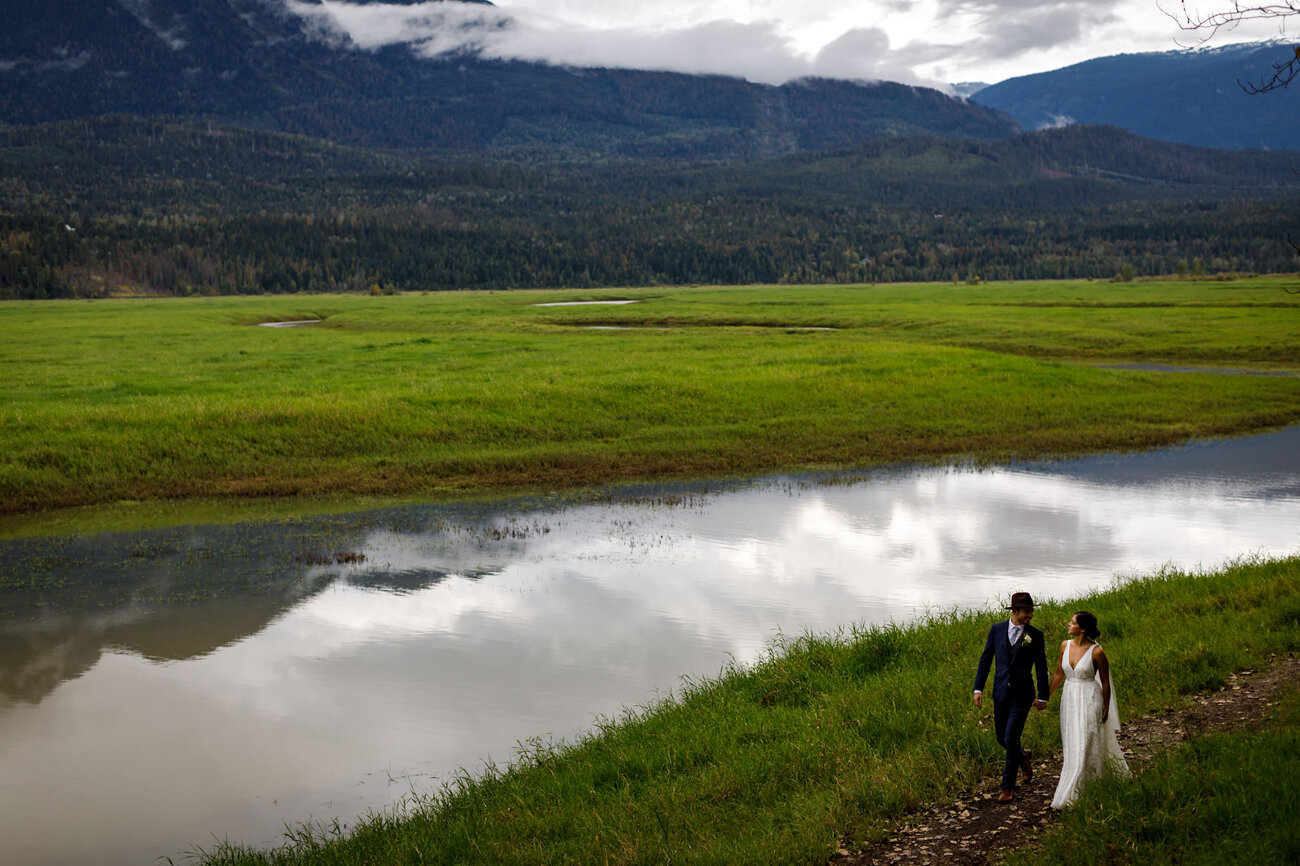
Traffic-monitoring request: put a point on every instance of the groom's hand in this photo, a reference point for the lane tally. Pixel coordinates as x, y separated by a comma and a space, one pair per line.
1040, 705
979, 699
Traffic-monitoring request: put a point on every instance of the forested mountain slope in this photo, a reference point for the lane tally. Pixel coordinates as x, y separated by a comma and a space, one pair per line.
1191, 97
109, 206
255, 64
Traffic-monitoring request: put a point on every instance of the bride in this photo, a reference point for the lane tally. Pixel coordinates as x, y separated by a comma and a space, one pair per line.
1089, 716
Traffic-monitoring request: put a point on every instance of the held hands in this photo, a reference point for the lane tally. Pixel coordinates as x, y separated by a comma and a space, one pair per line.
1038, 705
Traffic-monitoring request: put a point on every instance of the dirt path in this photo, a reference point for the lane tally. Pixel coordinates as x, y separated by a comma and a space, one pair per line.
976, 829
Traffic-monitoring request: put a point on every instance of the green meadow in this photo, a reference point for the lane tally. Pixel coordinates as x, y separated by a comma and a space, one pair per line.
831, 739
140, 410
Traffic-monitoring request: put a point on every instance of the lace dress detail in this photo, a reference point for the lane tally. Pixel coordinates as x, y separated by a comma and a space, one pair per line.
1090, 746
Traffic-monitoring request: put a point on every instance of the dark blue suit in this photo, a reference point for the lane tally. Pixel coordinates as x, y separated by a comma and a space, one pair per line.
1013, 688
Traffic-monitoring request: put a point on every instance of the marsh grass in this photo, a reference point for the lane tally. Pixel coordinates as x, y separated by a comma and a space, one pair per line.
829, 737
182, 400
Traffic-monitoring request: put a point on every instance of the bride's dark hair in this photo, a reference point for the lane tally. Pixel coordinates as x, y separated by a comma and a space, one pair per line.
1088, 622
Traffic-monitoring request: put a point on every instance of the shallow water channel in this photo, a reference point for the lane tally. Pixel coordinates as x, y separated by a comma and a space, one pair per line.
160, 690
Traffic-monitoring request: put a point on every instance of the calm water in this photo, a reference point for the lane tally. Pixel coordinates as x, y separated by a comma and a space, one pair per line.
184, 685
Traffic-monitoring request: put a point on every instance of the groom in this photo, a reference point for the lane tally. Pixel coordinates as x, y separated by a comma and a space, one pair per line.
1018, 647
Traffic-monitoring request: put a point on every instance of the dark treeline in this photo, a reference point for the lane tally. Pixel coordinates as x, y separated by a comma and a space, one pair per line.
119, 206
721, 242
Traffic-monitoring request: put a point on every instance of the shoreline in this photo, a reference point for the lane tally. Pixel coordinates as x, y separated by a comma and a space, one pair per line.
137, 516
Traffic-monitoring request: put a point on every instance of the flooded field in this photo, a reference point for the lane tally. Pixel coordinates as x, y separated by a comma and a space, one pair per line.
161, 690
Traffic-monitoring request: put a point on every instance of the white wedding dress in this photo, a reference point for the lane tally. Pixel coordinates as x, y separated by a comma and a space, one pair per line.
1090, 745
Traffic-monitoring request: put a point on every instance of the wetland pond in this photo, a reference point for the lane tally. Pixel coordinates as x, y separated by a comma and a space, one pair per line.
163, 689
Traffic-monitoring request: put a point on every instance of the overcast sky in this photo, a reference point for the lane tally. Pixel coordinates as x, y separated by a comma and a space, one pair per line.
931, 42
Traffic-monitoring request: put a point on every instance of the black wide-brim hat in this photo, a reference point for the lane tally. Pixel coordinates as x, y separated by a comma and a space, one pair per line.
1021, 599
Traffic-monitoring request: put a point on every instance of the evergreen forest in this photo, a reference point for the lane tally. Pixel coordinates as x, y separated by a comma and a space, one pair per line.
122, 206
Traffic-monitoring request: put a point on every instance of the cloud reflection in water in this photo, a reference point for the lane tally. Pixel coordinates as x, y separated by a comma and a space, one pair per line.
451, 642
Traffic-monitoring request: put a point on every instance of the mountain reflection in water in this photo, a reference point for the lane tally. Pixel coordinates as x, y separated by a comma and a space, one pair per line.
161, 687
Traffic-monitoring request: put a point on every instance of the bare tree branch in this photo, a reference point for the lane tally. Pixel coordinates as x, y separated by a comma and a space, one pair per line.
1283, 74
1192, 19
1208, 24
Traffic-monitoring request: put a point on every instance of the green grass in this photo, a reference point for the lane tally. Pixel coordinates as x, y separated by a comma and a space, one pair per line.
829, 738
1224, 798
109, 404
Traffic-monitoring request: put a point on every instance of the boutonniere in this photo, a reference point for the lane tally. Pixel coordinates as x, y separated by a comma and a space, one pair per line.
1028, 640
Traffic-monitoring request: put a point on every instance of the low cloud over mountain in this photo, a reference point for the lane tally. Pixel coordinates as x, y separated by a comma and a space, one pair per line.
770, 41
757, 51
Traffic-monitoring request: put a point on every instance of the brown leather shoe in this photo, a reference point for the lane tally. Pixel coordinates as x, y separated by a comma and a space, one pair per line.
1026, 768
1006, 796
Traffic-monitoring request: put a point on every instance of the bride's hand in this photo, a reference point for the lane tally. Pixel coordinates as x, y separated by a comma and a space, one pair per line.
1105, 715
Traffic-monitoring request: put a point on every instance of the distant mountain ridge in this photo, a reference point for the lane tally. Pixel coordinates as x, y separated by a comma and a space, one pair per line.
1188, 97
256, 64
259, 65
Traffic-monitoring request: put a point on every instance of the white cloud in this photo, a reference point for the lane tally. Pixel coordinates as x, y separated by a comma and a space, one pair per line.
755, 51
1058, 121
760, 50
865, 54
769, 41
